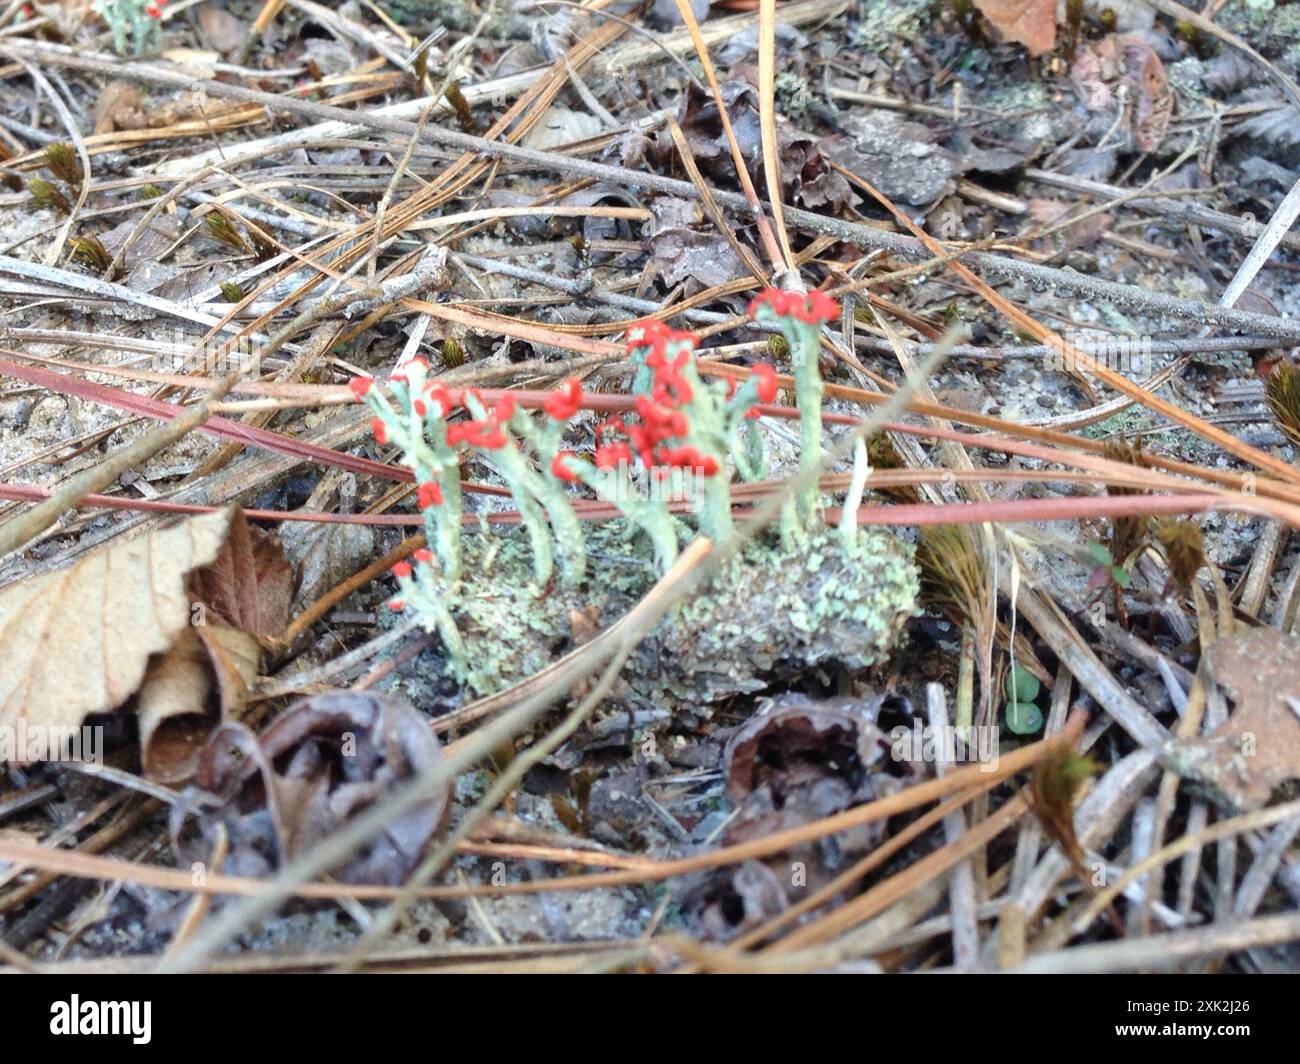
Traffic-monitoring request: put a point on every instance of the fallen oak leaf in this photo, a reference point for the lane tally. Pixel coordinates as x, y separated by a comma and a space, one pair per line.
78, 641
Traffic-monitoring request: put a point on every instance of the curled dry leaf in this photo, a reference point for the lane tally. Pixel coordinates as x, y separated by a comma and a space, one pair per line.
146, 249
734, 899
222, 30
798, 760
326, 555
806, 176
702, 256
78, 641
324, 761
900, 158
1257, 749
561, 126
795, 761
239, 600
201, 681
1082, 233
118, 107
1028, 22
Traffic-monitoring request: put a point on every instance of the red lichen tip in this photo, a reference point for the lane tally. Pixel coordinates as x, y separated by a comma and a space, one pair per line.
561, 469
683, 338
814, 308
429, 494
486, 435
360, 387
396, 605
424, 556
439, 394
765, 377
658, 337
612, 455
688, 458
611, 426
662, 419
503, 411
402, 570
380, 431
563, 404
648, 333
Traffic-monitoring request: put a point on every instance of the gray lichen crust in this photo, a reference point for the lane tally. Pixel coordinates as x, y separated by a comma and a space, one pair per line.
770, 613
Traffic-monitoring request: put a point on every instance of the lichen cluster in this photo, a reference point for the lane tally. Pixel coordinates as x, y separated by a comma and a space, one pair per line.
506, 604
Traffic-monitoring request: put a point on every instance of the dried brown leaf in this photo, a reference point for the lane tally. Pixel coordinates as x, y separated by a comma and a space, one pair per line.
78, 641
1028, 22
1257, 749
705, 257
203, 679
221, 30
118, 107
250, 583
799, 759
326, 555
1126, 60
324, 761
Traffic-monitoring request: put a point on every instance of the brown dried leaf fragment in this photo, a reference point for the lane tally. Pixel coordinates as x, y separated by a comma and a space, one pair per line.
1126, 61
1028, 22
249, 585
1257, 749
201, 681
795, 761
78, 641
119, 106
221, 30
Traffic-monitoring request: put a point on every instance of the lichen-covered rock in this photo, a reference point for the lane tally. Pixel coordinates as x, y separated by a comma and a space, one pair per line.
768, 614
772, 613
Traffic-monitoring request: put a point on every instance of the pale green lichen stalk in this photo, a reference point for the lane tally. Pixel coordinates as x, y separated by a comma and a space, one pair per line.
800, 318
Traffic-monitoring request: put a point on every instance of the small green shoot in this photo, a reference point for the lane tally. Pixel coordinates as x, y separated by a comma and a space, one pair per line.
1020, 714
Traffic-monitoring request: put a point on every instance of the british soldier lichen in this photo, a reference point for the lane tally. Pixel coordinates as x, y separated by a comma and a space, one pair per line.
813, 598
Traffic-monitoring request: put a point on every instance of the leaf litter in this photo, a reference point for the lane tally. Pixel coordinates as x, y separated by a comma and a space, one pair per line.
989, 123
